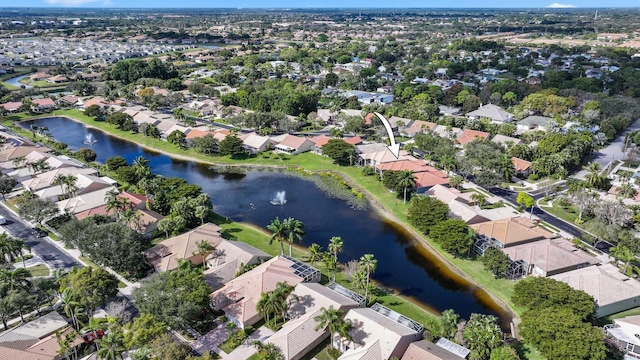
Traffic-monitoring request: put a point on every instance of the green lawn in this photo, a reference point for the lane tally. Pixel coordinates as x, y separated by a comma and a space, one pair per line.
557, 211
9, 86
39, 270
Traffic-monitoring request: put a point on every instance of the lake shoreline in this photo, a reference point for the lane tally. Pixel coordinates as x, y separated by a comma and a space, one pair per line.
378, 207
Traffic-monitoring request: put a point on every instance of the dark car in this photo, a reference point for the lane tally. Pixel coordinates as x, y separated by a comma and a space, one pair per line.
38, 232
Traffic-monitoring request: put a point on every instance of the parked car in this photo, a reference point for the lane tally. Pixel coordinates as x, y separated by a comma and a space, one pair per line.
38, 232
3, 220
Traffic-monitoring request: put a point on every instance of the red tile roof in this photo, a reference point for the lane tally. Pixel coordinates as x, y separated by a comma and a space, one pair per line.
520, 165
320, 140
355, 140
469, 135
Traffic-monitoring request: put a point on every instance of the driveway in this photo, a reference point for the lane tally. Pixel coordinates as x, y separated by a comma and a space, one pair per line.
43, 248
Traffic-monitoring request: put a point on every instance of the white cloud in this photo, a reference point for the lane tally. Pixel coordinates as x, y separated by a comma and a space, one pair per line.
560, 6
70, 2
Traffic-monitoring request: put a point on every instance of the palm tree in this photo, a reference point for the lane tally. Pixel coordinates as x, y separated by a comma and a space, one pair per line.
294, 231
336, 245
627, 190
479, 199
71, 307
17, 279
10, 248
368, 264
329, 319
594, 176
203, 249
315, 253
19, 161
268, 304
70, 184
39, 165
166, 225
623, 254
506, 167
279, 233
111, 346
407, 180
268, 351
141, 167
59, 180
455, 181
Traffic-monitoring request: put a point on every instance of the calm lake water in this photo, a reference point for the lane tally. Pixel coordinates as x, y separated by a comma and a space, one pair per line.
16, 81
403, 264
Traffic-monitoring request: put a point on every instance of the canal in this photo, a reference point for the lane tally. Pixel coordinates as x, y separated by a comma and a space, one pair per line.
403, 263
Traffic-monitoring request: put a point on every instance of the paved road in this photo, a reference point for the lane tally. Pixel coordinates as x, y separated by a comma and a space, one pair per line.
550, 219
41, 247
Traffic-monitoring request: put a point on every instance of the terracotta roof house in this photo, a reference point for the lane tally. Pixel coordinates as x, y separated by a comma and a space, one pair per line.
255, 143
57, 79
511, 231
522, 167
448, 194
292, 145
298, 335
381, 157
417, 127
12, 107
550, 256
468, 135
492, 112
35, 340
612, 291
354, 140
147, 223
229, 257
431, 177
41, 105
625, 332
165, 255
68, 100
413, 165
238, 298
379, 333
318, 142
39, 76
100, 101
21, 151
426, 350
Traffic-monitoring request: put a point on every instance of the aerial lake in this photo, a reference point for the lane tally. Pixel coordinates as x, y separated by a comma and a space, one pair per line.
403, 263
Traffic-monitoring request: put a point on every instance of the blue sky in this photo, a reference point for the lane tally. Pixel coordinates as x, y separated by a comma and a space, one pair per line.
323, 3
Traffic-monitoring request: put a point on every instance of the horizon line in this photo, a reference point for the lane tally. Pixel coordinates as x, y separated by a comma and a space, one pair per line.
320, 8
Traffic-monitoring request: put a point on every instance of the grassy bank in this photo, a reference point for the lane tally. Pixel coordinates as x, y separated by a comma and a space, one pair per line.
389, 206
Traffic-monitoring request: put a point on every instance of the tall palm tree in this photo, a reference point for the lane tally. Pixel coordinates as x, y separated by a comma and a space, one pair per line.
330, 319
59, 180
19, 161
627, 190
408, 181
10, 248
203, 249
70, 184
594, 176
141, 167
111, 346
268, 304
284, 292
17, 279
336, 246
268, 351
72, 308
368, 264
315, 253
279, 233
479, 199
623, 254
506, 167
39, 166
294, 231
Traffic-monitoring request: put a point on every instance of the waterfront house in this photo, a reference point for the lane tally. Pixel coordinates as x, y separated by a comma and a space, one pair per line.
255, 143
238, 298
299, 335
378, 333
444, 349
624, 332
165, 255
291, 144
550, 256
228, 259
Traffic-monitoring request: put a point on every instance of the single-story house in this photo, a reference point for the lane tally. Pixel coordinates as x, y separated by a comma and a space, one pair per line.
255, 143
379, 333
505, 141
522, 167
80, 203
291, 144
239, 297
492, 112
68, 100
165, 255
534, 122
298, 335
417, 127
625, 332
442, 350
318, 142
12, 107
42, 105
550, 256
612, 291
511, 231
468, 135
381, 157
228, 258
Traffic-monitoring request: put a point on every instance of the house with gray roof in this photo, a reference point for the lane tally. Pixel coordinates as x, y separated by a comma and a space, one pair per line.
494, 113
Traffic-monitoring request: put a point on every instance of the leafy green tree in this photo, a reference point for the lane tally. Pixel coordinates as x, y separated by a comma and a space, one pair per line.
87, 154
7, 183
453, 235
232, 145
559, 333
178, 138
90, 287
174, 297
143, 330
338, 150
110, 346
539, 293
526, 201
37, 210
206, 144
425, 211
121, 121
94, 111
504, 352
449, 321
496, 261
482, 334
166, 347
